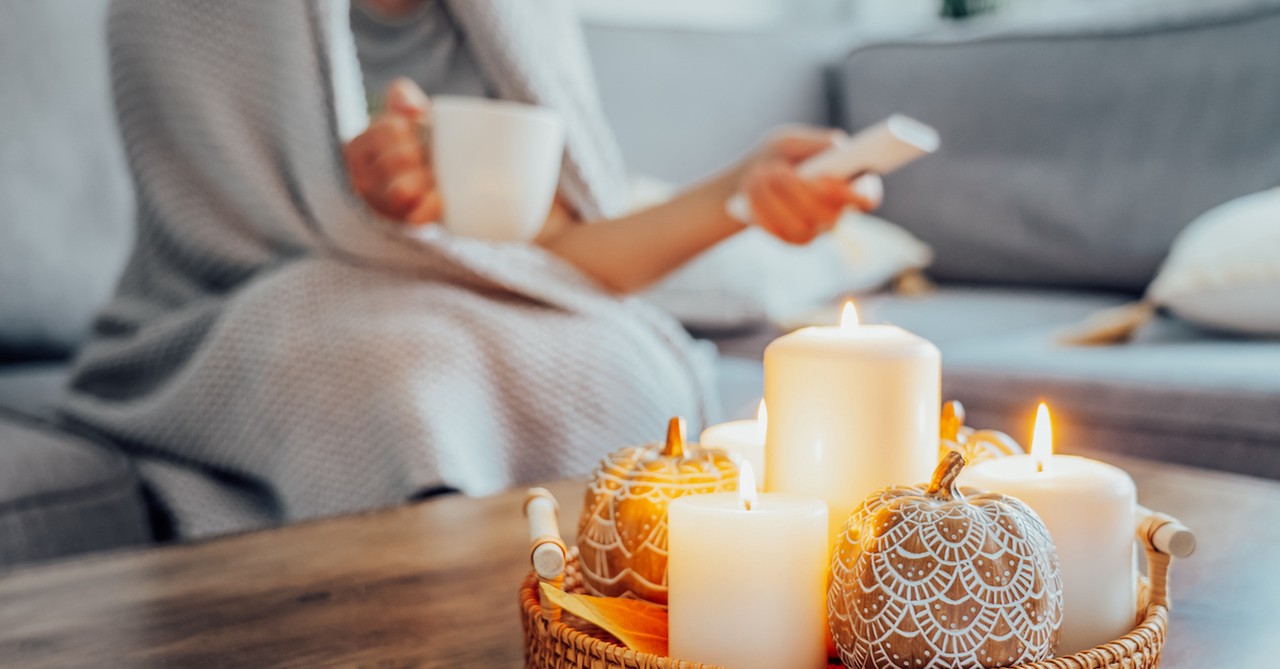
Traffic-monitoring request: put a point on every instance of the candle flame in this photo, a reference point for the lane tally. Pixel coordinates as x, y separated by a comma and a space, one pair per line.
849, 317
762, 418
1042, 438
747, 485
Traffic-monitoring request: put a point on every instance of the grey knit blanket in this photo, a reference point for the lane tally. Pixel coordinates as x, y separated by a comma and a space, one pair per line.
276, 352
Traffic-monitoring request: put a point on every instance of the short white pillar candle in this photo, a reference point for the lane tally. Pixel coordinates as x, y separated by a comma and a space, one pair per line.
747, 579
743, 439
1088, 507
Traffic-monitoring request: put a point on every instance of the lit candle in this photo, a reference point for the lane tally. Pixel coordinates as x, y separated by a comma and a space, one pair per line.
1088, 507
852, 409
747, 578
742, 438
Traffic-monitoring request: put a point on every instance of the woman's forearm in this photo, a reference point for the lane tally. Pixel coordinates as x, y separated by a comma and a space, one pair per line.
629, 253
390, 170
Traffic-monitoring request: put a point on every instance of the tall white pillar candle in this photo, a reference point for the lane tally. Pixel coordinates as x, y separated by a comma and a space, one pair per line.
747, 579
1088, 507
852, 409
742, 438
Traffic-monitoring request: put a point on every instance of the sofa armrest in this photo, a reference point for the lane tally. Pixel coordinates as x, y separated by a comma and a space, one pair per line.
62, 494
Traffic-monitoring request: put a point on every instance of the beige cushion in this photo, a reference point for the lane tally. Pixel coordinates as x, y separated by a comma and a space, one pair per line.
753, 277
1224, 269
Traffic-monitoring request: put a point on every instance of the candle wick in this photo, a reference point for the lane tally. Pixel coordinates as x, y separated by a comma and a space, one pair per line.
747, 503
1039, 466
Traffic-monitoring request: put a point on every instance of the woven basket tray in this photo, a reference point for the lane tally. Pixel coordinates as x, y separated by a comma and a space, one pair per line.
573, 644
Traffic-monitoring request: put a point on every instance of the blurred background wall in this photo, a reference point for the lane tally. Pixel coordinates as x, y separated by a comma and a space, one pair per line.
689, 85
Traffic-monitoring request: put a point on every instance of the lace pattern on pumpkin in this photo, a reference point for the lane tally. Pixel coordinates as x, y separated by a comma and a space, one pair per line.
623, 559
943, 586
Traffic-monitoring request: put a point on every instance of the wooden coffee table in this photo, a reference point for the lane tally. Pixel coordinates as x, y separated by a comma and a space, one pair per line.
434, 585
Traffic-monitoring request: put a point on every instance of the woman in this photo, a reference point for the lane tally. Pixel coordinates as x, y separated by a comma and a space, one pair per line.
278, 351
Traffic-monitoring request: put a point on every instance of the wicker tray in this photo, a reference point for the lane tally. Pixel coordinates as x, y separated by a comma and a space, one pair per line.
571, 644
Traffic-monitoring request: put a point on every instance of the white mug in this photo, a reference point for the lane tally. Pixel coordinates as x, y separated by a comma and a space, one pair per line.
496, 164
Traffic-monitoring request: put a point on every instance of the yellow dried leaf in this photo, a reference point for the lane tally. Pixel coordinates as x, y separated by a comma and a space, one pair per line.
640, 626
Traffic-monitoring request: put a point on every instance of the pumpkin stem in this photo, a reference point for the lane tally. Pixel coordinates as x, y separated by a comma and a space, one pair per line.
952, 420
675, 438
944, 477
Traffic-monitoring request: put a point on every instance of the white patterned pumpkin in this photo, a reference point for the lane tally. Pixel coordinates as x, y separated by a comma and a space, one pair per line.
622, 536
974, 445
933, 578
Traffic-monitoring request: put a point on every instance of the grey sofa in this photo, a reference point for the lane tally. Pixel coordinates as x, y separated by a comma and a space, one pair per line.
1075, 154
1013, 178
1074, 150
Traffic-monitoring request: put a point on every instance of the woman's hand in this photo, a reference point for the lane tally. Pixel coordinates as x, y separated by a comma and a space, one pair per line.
389, 164
792, 209
628, 253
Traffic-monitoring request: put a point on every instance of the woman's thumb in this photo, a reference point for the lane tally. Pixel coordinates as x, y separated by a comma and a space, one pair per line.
405, 98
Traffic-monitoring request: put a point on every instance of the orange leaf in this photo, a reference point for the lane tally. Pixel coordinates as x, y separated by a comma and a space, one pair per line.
640, 626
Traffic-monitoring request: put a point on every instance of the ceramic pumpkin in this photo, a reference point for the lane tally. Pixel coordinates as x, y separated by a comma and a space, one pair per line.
622, 537
974, 445
933, 577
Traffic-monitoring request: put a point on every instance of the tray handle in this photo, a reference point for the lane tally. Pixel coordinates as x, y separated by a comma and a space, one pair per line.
547, 550
1164, 537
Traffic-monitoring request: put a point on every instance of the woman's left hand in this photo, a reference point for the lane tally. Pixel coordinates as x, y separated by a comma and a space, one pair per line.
390, 166
793, 209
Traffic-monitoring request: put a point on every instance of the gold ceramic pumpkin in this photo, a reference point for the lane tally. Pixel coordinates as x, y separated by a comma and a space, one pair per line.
974, 445
936, 578
622, 537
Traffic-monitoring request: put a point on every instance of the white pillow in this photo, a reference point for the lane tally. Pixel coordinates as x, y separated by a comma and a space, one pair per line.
1224, 269
753, 277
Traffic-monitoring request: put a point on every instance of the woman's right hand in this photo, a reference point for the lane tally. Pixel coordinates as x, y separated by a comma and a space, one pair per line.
793, 209
389, 164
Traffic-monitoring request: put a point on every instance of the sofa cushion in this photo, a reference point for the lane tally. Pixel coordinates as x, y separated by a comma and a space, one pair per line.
1224, 269
958, 314
33, 388
61, 494
1174, 394
65, 195
1073, 152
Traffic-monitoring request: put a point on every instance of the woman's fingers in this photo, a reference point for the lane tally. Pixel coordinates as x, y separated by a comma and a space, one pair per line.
870, 191
793, 209
403, 194
770, 211
389, 130
430, 209
863, 193
398, 159
390, 167
404, 98
796, 143
386, 134
814, 204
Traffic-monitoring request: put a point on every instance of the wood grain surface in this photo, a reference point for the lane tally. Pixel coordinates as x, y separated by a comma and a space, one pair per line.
434, 585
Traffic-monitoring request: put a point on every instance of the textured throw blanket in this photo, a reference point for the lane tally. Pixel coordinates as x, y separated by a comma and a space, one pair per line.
275, 352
